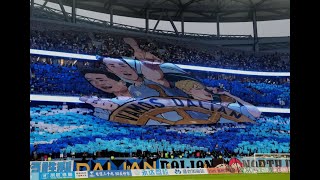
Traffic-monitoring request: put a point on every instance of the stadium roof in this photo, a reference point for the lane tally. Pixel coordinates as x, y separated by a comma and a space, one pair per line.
192, 10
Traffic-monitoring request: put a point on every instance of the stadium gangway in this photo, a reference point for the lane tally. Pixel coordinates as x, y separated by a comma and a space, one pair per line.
75, 99
198, 68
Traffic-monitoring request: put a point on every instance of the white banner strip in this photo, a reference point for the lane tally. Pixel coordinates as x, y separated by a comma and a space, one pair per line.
62, 54
75, 99
199, 68
49, 98
274, 110
231, 71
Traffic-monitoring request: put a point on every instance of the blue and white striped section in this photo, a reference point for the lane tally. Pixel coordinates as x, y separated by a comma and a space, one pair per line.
198, 68
74, 99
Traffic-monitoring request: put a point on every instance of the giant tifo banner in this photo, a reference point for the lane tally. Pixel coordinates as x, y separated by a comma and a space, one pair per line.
127, 164
147, 91
51, 166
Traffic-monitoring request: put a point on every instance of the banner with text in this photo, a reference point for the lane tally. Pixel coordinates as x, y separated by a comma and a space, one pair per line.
187, 171
248, 170
225, 170
149, 172
188, 163
265, 162
51, 166
117, 164
81, 174
57, 175
110, 174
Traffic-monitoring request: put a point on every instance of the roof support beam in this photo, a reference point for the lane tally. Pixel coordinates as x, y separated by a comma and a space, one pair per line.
259, 3
109, 3
180, 10
132, 9
155, 26
191, 2
44, 4
277, 12
147, 21
172, 24
182, 24
147, 5
173, 1
218, 25
202, 14
247, 4
255, 31
74, 13
251, 3
32, 7
63, 11
246, 10
111, 15
183, 7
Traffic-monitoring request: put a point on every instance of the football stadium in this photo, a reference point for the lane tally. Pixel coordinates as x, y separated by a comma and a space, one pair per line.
192, 105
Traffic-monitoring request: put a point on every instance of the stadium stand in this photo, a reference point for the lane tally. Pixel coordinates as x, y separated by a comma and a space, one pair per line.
46, 37
75, 129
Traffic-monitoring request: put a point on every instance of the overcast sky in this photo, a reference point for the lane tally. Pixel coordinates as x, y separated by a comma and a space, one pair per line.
265, 28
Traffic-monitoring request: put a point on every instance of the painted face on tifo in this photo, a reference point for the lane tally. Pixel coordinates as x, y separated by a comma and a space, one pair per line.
121, 69
198, 92
194, 89
102, 82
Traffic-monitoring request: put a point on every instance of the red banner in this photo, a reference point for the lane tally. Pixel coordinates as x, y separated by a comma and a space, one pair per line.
218, 171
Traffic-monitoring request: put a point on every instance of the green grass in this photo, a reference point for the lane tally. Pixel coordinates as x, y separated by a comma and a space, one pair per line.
280, 176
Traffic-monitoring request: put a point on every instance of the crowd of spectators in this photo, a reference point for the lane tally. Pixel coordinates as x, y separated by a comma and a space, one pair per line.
59, 129
55, 79
262, 91
51, 37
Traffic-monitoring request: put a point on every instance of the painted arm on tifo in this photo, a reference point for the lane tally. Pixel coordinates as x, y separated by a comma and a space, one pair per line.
99, 103
150, 64
253, 110
141, 54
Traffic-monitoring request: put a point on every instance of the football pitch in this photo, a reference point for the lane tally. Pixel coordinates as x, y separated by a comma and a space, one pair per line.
280, 176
